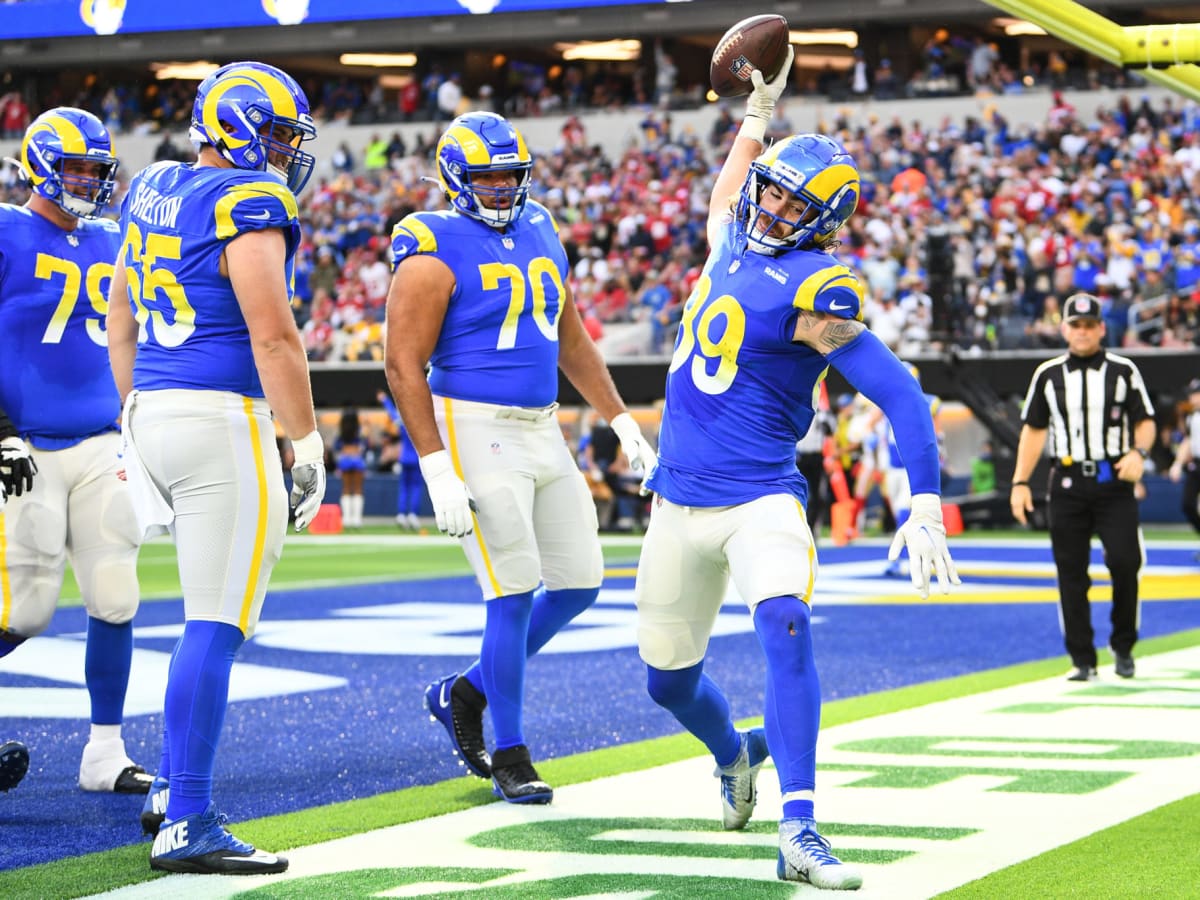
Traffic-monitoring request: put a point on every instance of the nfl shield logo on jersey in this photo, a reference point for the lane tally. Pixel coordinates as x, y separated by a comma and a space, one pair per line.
508, 243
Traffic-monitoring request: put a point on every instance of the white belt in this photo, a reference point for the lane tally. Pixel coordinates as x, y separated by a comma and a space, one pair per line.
496, 410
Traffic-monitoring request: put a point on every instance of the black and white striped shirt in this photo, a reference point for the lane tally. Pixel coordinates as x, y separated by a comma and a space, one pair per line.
1089, 404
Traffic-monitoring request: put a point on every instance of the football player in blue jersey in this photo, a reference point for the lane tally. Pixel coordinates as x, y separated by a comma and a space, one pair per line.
56, 260
204, 349
480, 292
772, 310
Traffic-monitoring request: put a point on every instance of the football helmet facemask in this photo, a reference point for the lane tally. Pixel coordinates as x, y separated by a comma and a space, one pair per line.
61, 139
479, 142
815, 169
256, 116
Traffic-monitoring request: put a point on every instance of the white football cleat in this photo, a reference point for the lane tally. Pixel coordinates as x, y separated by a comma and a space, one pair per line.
106, 767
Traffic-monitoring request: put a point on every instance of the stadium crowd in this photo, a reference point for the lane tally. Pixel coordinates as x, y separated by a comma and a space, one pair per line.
998, 221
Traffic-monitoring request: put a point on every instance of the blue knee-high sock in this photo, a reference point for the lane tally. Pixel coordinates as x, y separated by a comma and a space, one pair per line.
551, 611
793, 699
106, 668
503, 670
164, 760
695, 700
197, 694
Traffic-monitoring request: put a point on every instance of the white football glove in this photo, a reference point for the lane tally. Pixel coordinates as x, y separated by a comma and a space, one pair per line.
308, 478
641, 456
925, 537
17, 466
452, 501
760, 105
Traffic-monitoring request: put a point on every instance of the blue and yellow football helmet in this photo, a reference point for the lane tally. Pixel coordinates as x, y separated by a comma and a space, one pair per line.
256, 116
58, 137
478, 142
817, 170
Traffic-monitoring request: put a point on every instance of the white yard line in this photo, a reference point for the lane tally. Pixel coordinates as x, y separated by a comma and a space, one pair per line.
1154, 750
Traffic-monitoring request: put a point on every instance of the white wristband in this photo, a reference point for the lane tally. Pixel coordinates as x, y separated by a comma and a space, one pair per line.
753, 128
308, 449
434, 464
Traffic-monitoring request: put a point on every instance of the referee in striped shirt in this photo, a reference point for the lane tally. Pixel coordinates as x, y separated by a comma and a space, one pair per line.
1095, 409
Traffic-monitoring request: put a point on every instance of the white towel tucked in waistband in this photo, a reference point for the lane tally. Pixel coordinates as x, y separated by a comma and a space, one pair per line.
153, 512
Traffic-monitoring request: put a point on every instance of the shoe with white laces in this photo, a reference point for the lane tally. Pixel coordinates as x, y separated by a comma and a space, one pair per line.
739, 780
459, 706
14, 763
200, 844
105, 767
154, 810
805, 856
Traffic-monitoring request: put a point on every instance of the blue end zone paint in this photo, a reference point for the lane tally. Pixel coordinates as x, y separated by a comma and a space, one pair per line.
300, 751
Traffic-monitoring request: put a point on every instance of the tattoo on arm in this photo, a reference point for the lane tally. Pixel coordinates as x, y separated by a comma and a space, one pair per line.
838, 333
825, 333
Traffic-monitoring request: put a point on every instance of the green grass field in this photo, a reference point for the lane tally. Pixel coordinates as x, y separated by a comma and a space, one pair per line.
1153, 855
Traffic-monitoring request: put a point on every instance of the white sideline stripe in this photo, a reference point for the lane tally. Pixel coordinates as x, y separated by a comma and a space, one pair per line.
723, 839
1016, 749
1008, 826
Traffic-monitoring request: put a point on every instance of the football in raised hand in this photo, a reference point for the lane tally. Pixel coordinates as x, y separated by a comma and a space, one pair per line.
759, 42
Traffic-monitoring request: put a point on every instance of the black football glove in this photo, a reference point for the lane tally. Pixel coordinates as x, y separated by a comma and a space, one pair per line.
17, 466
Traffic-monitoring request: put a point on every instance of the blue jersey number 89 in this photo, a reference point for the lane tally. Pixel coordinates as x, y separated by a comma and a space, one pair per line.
710, 331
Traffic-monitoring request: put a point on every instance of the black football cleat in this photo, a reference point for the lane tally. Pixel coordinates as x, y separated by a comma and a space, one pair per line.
14, 763
516, 780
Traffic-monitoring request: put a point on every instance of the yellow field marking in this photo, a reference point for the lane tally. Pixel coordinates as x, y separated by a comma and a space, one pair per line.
1153, 588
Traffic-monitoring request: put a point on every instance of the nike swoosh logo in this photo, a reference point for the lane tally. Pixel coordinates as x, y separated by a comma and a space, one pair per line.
258, 857
444, 695
266, 214
833, 306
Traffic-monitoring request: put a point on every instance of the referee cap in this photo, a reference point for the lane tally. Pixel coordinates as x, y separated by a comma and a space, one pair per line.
1081, 306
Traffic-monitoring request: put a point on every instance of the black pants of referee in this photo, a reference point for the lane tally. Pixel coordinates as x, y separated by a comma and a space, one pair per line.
1190, 501
812, 467
1079, 508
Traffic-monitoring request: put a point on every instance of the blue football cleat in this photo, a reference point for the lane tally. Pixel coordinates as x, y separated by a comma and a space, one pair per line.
200, 844
456, 703
154, 810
